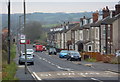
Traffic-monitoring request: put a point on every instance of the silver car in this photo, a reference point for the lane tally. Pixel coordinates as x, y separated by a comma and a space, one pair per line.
30, 58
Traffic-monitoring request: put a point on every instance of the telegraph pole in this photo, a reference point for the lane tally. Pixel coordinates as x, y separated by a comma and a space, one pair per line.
9, 32
25, 38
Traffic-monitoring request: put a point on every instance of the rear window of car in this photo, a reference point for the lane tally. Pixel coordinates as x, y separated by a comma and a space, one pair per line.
52, 49
29, 50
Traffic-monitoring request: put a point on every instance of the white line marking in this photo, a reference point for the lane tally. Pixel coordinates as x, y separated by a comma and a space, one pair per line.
21, 66
33, 76
36, 76
83, 75
111, 72
96, 79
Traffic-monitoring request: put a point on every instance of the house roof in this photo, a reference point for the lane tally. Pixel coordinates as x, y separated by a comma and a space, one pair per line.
108, 20
71, 26
96, 24
83, 42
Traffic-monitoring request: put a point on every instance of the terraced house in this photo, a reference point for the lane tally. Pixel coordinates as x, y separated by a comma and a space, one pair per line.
100, 33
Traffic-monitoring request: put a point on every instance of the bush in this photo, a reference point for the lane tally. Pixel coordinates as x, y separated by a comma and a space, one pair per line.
115, 60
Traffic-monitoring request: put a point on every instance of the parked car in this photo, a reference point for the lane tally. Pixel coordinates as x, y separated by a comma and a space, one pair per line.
73, 55
52, 51
63, 54
117, 53
44, 48
31, 51
34, 45
30, 58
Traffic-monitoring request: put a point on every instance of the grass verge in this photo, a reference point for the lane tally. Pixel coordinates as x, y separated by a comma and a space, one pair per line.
90, 60
9, 70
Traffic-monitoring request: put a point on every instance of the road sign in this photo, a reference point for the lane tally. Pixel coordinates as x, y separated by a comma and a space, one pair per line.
22, 37
22, 41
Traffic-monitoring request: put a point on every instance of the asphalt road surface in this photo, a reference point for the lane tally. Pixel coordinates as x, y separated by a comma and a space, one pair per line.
51, 67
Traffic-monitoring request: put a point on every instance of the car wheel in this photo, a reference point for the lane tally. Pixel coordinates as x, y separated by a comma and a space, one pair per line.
20, 63
67, 58
32, 63
79, 59
70, 59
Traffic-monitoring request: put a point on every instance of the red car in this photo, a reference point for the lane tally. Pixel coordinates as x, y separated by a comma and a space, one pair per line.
39, 48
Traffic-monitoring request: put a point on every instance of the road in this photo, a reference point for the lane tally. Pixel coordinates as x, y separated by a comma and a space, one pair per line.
51, 67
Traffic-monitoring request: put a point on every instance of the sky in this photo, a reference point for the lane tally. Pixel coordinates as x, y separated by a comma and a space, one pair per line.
52, 6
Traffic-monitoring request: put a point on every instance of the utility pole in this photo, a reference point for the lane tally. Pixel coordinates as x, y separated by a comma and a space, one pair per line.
25, 38
9, 32
19, 32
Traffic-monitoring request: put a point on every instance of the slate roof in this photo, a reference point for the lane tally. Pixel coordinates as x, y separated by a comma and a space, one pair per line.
71, 26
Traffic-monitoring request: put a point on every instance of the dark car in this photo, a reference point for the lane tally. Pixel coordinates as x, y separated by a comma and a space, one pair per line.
52, 51
73, 55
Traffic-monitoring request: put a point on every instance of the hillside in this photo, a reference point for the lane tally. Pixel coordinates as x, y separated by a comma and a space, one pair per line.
46, 19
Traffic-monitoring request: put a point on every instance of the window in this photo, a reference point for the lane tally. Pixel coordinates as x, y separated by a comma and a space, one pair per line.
89, 48
97, 33
109, 30
81, 35
87, 34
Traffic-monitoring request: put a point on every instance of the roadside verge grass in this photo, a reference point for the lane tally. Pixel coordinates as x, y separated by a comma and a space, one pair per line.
9, 70
90, 60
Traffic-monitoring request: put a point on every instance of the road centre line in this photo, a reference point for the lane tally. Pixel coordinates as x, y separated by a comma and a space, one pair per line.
67, 69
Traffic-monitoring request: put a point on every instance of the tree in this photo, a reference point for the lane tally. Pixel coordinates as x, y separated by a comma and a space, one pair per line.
33, 30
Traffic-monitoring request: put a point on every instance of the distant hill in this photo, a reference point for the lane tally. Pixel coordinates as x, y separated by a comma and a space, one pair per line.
46, 19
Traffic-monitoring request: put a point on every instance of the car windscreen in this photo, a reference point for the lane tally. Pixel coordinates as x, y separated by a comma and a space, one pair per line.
75, 53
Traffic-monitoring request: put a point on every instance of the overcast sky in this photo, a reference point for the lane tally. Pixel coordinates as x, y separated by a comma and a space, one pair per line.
52, 6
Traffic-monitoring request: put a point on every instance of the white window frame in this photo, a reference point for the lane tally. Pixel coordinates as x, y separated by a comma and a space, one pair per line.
96, 34
91, 48
81, 34
87, 34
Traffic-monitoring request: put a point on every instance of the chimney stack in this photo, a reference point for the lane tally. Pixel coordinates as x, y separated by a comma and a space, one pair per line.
117, 8
84, 17
106, 12
112, 14
95, 16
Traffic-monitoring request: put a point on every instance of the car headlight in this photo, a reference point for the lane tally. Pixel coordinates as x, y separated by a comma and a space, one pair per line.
72, 56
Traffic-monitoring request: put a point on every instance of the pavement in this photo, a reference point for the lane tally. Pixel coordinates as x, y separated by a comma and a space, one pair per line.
102, 66
20, 74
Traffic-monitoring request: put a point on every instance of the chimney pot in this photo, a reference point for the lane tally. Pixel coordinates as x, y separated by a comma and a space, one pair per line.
95, 16
117, 8
106, 12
